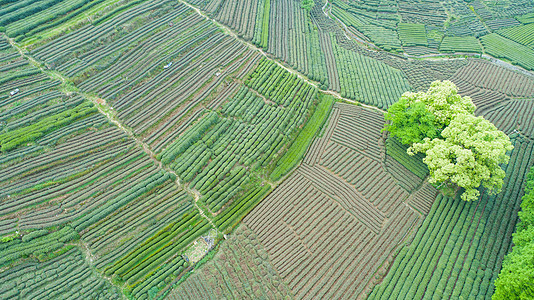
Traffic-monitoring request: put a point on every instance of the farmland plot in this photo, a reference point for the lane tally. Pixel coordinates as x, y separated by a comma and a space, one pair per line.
69, 175
243, 136
502, 96
216, 115
370, 77
27, 18
426, 27
281, 27
206, 128
158, 77
459, 249
66, 276
330, 226
240, 269
294, 37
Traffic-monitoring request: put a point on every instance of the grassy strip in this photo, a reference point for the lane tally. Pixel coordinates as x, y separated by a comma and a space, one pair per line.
11, 140
265, 25
230, 219
60, 21
116, 11
304, 139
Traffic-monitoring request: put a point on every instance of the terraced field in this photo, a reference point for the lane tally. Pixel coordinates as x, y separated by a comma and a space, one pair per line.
240, 269
458, 251
118, 191
340, 216
222, 149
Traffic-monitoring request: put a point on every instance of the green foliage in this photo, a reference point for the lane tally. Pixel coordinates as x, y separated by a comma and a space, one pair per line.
230, 218
307, 4
443, 101
516, 278
13, 139
265, 25
526, 19
25, 9
122, 199
6, 239
425, 114
460, 44
40, 246
30, 22
413, 163
459, 147
410, 121
501, 47
303, 141
469, 154
520, 34
189, 138
367, 80
34, 234
412, 34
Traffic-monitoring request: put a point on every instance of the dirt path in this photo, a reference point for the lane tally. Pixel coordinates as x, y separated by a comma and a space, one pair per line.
196, 196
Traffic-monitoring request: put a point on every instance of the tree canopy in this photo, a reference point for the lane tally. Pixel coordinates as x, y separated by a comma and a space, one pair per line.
425, 114
411, 122
468, 154
459, 147
307, 4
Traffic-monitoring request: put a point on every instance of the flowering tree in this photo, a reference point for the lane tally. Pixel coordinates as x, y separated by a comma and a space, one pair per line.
459, 147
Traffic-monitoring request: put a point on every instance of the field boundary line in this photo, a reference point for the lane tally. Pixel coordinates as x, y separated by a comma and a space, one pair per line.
298, 237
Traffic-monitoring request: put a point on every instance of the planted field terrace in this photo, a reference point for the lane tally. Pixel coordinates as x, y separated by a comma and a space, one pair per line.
69, 179
422, 27
240, 270
458, 251
212, 149
330, 226
193, 106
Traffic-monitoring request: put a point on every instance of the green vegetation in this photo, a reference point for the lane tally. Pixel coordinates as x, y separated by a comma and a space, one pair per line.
264, 41
412, 34
459, 148
460, 44
458, 249
239, 269
502, 47
517, 273
241, 207
194, 131
425, 114
307, 4
415, 164
12, 139
523, 35
297, 150
469, 153
411, 121
41, 246
367, 80
526, 18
